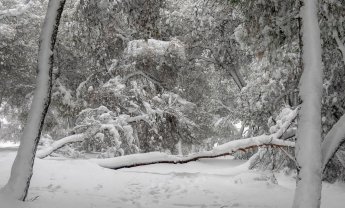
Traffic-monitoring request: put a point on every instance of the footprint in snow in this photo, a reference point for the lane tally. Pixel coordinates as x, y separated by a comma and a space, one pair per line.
52, 188
238, 181
98, 187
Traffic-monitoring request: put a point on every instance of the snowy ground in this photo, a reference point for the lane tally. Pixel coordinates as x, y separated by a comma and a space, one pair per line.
218, 183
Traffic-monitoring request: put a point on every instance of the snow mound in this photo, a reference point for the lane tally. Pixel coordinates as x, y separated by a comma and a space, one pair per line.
4, 144
11, 203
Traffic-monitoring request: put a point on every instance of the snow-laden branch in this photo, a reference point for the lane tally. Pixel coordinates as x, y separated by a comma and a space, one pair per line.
60, 143
18, 10
155, 47
229, 148
45, 152
332, 141
273, 140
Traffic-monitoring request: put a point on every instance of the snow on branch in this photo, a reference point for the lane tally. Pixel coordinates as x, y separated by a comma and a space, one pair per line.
155, 47
18, 10
93, 128
223, 150
273, 140
229, 148
59, 144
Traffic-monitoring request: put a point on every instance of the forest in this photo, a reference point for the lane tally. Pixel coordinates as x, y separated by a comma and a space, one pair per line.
172, 103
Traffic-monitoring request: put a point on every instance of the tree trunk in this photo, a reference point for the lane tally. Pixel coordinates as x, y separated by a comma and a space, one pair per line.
308, 145
22, 168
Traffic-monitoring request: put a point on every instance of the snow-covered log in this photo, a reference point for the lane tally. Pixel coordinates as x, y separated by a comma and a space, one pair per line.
229, 148
308, 144
60, 143
22, 169
332, 141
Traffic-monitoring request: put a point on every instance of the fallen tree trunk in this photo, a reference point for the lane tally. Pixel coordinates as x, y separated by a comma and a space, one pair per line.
222, 150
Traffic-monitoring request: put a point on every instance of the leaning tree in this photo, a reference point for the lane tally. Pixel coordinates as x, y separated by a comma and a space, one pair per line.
22, 168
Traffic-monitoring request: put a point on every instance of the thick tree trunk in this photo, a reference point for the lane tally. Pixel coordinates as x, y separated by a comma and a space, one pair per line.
308, 145
22, 168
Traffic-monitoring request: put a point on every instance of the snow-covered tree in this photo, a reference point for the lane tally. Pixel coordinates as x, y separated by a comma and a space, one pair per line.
22, 168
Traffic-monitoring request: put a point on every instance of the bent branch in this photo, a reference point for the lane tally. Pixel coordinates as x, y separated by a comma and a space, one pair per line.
59, 144
332, 141
230, 148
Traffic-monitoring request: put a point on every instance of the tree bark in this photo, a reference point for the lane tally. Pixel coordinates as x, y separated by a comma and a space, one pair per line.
308, 145
22, 168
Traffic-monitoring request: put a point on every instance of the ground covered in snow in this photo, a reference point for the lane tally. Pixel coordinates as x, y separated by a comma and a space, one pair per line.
222, 182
